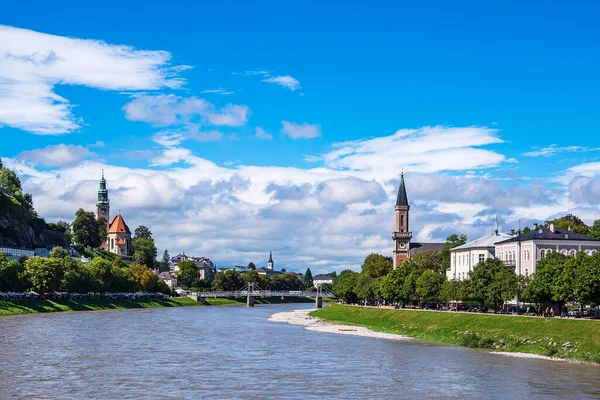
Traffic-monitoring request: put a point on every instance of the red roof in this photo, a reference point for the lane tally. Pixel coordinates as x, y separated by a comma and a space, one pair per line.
118, 225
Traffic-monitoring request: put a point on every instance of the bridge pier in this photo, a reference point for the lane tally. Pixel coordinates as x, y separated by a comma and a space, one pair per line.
250, 301
319, 302
202, 300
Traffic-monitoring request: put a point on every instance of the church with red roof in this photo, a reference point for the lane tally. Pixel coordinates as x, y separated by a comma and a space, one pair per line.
118, 240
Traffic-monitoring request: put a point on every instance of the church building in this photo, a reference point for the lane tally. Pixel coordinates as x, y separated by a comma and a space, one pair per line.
118, 240
403, 246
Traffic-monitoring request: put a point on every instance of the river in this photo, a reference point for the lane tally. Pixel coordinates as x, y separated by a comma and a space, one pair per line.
233, 352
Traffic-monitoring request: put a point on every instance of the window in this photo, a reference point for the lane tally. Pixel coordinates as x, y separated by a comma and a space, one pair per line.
588, 252
593, 252
481, 258
526, 255
573, 252
564, 252
112, 243
548, 251
542, 253
526, 272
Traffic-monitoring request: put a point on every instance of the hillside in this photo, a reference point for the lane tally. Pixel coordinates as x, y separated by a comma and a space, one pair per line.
20, 225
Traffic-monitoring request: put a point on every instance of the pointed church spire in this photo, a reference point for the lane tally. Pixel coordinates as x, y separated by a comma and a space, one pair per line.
271, 257
402, 200
496, 226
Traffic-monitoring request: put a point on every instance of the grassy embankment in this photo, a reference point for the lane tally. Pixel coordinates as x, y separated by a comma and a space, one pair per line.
43, 306
257, 301
564, 338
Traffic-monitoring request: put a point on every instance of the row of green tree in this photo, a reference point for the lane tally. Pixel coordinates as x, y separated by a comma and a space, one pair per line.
61, 273
558, 280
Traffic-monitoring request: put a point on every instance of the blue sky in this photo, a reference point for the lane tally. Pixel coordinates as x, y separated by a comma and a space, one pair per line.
270, 108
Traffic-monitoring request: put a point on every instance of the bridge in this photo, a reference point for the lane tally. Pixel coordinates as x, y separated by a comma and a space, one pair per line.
251, 290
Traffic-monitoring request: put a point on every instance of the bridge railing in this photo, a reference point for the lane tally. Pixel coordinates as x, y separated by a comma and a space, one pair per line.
264, 293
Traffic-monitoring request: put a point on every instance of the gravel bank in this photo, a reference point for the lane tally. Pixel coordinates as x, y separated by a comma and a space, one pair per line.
301, 317
539, 357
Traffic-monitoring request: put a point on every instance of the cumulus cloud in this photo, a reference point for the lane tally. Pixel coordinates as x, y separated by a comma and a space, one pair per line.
262, 134
165, 110
285, 81
32, 64
301, 131
61, 155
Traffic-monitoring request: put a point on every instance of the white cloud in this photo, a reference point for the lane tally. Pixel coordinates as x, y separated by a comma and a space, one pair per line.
166, 110
328, 217
262, 134
56, 156
286, 81
33, 63
207, 136
221, 91
553, 150
301, 131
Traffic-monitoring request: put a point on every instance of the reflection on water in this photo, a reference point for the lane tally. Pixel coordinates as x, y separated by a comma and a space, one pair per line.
181, 353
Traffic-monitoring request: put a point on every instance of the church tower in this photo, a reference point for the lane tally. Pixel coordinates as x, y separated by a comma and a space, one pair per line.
401, 236
103, 205
270, 263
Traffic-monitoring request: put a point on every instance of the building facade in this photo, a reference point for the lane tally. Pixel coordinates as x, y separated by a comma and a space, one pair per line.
402, 236
119, 237
465, 257
206, 268
524, 251
322, 279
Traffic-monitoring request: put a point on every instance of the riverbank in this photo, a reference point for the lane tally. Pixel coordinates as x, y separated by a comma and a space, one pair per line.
556, 338
257, 301
302, 317
64, 305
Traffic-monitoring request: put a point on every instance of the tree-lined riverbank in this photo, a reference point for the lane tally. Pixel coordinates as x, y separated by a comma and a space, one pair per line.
571, 339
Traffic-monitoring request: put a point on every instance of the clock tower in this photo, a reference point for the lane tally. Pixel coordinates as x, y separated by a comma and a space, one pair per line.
103, 205
401, 236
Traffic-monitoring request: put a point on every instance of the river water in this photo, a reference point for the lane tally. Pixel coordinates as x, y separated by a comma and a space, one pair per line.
233, 352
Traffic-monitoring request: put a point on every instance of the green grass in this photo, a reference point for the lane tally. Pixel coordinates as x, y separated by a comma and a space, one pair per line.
503, 333
42, 306
93, 253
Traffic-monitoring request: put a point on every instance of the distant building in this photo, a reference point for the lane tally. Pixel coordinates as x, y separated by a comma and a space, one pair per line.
523, 252
118, 240
464, 258
403, 247
323, 279
206, 268
169, 279
16, 253
267, 271
270, 263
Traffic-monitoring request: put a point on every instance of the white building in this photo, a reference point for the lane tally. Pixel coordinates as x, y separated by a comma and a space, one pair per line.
465, 257
323, 279
523, 252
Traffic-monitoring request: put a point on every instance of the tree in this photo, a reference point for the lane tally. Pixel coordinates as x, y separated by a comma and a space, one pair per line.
570, 220
390, 285
187, 272
493, 282
587, 279
145, 280
77, 278
409, 287
344, 286
429, 285
143, 232
58, 252
595, 229
526, 229
144, 251
166, 261
548, 271
286, 281
423, 261
376, 265
452, 291
251, 266
308, 279
227, 280
452, 241
12, 275
44, 274
85, 229
10, 181
455, 240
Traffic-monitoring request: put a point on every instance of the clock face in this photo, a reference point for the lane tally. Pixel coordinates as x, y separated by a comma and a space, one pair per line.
402, 245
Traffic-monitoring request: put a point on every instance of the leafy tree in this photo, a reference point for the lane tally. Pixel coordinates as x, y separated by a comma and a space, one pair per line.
572, 221
452, 241
85, 229
77, 278
367, 287
595, 229
144, 251
187, 272
251, 277
9, 180
44, 274
587, 279
143, 232
166, 262
423, 261
12, 275
409, 288
308, 279
455, 240
452, 290
493, 282
58, 252
429, 285
526, 229
344, 286
390, 285
287, 281
227, 280
548, 271
145, 280
251, 266
376, 265
109, 276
